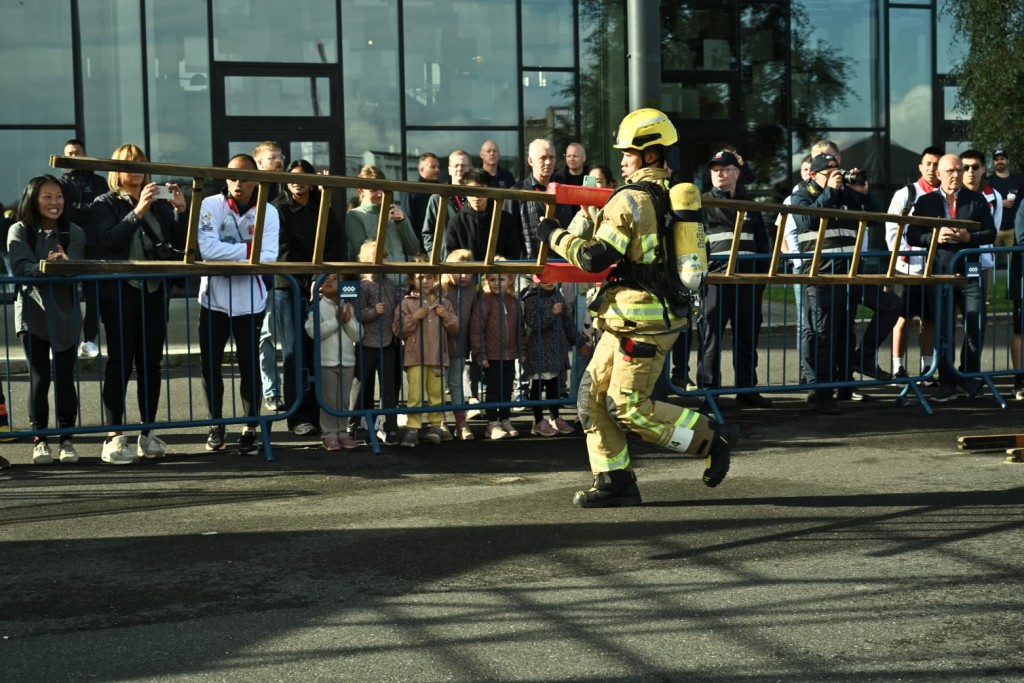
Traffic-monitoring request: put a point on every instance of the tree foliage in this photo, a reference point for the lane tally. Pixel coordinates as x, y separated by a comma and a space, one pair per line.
991, 77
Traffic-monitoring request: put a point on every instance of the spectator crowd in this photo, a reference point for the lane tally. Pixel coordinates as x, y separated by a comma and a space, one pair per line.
492, 338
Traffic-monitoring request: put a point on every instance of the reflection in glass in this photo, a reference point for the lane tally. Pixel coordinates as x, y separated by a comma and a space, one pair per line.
696, 101
111, 75
460, 63
547, 33
910, 91
836, 63
179, 92
299, 31
549, 107
602, 77
950, 112
763, 53
950, 51
444, 142
32, 150
36, 78
371, 90
697, 36
276, 96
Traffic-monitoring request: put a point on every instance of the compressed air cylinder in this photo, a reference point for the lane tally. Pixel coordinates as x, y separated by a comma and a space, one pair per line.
689, 238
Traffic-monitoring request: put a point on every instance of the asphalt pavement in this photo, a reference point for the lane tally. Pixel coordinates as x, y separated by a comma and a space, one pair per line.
861, 547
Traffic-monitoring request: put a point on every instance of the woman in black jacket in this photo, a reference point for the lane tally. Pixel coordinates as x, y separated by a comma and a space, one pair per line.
130, 220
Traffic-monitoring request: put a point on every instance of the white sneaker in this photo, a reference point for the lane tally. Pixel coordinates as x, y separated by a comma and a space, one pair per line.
494, 431
67, 453
151, 447
116, 451
304, 428
41, 454
88, 349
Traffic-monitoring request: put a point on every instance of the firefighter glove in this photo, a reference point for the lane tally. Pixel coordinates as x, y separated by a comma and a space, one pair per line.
546, 227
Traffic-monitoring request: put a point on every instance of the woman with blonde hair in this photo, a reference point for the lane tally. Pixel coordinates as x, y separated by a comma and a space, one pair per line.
131, 219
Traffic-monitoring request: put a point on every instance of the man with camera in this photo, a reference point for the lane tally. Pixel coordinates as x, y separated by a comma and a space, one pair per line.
829, 310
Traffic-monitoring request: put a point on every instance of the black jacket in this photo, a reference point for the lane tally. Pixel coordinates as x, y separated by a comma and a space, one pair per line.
723, 221
970, 206
414, 206
297, 236
116, 225
468, 229
81, 189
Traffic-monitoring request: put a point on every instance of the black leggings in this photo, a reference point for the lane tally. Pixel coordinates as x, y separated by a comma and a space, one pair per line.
135, 325
500, 376
37, 351
371, 362
214, 330
551, 391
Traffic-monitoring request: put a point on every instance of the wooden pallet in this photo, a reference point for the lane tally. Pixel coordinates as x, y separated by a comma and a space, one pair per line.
990, 442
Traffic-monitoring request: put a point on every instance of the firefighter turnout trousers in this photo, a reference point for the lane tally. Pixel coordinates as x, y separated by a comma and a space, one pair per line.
615, 395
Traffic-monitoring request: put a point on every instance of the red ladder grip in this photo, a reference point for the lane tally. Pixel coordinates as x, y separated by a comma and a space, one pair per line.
581, 196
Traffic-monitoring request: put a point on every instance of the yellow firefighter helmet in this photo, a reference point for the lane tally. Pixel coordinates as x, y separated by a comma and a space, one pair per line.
643, 128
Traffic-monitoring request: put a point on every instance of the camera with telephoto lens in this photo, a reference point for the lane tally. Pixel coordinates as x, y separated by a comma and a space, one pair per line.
855, 177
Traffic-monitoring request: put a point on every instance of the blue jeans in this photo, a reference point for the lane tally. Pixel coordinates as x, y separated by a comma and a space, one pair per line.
969, 299
456, 366
268, 354
287, 336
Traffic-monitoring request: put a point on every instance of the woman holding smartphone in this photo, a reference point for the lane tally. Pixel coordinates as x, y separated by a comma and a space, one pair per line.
130, 220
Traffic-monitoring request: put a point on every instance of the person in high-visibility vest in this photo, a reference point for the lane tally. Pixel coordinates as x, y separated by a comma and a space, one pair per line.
639, 323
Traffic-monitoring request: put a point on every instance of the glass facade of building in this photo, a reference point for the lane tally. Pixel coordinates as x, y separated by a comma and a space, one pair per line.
344, 83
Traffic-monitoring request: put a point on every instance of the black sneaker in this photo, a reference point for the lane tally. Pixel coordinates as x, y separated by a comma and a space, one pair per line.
970, 386
945, 393
215, 440
717, 462
610, 489
387, 438
848, 394
248, 444
900, 374
754, 400
432, 435
411, 439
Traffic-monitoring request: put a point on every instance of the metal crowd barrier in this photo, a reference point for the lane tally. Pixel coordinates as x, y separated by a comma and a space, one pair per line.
191, 267
183, 406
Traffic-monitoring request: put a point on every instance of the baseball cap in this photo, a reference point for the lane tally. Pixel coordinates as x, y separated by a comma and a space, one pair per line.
999, 152
823, 162
725, 159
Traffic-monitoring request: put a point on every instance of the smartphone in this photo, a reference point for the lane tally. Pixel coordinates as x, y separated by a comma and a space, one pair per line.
163, 192
589, 181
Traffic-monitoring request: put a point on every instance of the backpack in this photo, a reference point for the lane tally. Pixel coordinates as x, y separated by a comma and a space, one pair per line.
660, 278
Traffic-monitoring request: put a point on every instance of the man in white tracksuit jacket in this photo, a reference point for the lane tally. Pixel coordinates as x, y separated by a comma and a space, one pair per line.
233, 305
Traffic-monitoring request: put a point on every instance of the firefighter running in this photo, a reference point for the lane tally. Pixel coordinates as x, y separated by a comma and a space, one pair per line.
640, 310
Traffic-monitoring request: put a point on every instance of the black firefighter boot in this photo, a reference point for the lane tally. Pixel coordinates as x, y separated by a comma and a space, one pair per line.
717, 462
611, 489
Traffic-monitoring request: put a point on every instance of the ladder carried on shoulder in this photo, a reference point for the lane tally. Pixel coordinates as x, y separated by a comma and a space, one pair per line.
191, 263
